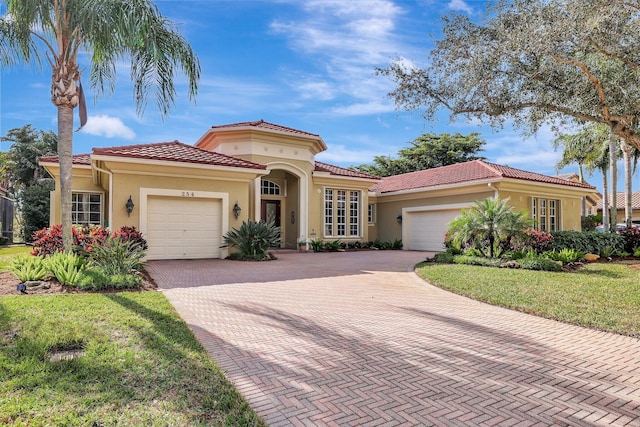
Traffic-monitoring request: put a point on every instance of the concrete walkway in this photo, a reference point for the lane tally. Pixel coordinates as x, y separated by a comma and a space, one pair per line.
358, 339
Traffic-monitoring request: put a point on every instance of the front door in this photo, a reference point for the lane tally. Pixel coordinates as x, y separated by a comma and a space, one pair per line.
270, 209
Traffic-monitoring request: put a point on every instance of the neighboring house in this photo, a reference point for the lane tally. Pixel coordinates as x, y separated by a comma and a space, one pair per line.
620, 207
7, 208
590, 201
185, 198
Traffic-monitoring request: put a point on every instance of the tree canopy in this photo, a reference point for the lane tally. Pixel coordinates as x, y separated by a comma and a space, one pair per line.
426, 152
20, 167
27, 181
534, 62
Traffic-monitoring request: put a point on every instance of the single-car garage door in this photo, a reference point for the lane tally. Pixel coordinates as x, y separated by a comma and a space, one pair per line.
424, 230
183, 228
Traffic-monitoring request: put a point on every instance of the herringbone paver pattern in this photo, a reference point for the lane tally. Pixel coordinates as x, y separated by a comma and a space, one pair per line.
358, 339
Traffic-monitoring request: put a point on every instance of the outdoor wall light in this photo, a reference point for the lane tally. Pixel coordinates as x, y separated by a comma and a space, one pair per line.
236, 210
399, 219
129, 205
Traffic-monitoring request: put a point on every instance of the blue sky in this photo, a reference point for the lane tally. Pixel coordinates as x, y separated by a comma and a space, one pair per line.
306, 64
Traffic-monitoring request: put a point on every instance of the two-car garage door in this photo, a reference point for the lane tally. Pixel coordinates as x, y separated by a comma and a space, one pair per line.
424, 230
183, 228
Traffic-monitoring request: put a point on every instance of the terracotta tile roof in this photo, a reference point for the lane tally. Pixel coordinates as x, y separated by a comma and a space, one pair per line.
261, 124
475, 170
620, 202
77, 159
176, 152
337, 170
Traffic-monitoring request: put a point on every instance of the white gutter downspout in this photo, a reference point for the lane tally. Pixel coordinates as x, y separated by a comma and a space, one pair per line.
490, 185
110, 193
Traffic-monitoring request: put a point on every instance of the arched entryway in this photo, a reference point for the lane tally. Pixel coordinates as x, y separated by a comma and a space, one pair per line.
282, 196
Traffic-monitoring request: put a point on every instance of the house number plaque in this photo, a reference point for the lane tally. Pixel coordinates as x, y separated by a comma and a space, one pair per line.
188, 194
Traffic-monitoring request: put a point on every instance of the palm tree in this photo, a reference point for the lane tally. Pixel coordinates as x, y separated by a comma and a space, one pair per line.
589, 148
487, 223
109, 31
630, 156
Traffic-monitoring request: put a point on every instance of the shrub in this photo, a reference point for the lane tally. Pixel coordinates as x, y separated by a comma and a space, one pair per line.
631, 238
539, 241
85, 238
94, 279
68, 268
334, 246
253, 239
396, 244
443, 258
97, 279
539, 264
117, 256
587, 241
473, 252
131, 234
477, 260
590, 222
27, 268
317, 245
565, 255
636, 252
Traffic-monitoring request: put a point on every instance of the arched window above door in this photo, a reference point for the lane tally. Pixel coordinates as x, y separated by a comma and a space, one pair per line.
269, 188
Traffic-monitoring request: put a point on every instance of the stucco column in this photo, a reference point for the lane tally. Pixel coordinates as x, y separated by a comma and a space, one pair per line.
257, 198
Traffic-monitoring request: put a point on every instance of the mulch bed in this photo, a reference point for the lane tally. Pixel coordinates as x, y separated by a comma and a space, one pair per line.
9, 283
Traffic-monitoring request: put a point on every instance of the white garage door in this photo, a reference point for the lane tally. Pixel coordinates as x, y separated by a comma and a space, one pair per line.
425, 229
183, 228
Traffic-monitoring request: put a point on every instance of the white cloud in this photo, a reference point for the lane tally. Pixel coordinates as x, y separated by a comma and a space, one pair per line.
321, 90
339, 154
460, 6
109, 127
346, 41
360, 109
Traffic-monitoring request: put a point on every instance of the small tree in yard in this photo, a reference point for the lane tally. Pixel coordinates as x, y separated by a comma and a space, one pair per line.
487, 225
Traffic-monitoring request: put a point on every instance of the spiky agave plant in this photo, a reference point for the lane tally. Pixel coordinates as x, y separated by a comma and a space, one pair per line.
253, 239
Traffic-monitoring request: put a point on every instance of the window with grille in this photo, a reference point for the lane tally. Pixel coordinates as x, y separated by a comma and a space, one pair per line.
86, 208
545, 214
354, 212
328, 212
341, 213
269, 188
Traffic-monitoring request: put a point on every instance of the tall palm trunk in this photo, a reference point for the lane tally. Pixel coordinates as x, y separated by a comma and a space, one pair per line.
605, 201
64, 95
628, 184
613, 168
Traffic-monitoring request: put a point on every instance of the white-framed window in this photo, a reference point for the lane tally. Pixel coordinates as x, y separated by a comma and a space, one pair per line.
86, 208
328, 212
354, 213
341, 213
546, 214
269, 188
371, 213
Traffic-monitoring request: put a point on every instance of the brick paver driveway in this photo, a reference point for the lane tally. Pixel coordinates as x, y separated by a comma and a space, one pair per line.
359, 339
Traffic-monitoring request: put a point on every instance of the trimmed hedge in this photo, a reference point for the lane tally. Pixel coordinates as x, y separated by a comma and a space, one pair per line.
590, 242
477, 260
539, 264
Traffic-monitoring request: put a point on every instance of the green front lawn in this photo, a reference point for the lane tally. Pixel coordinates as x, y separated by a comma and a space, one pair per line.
601, 296
141, 365
7, 253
